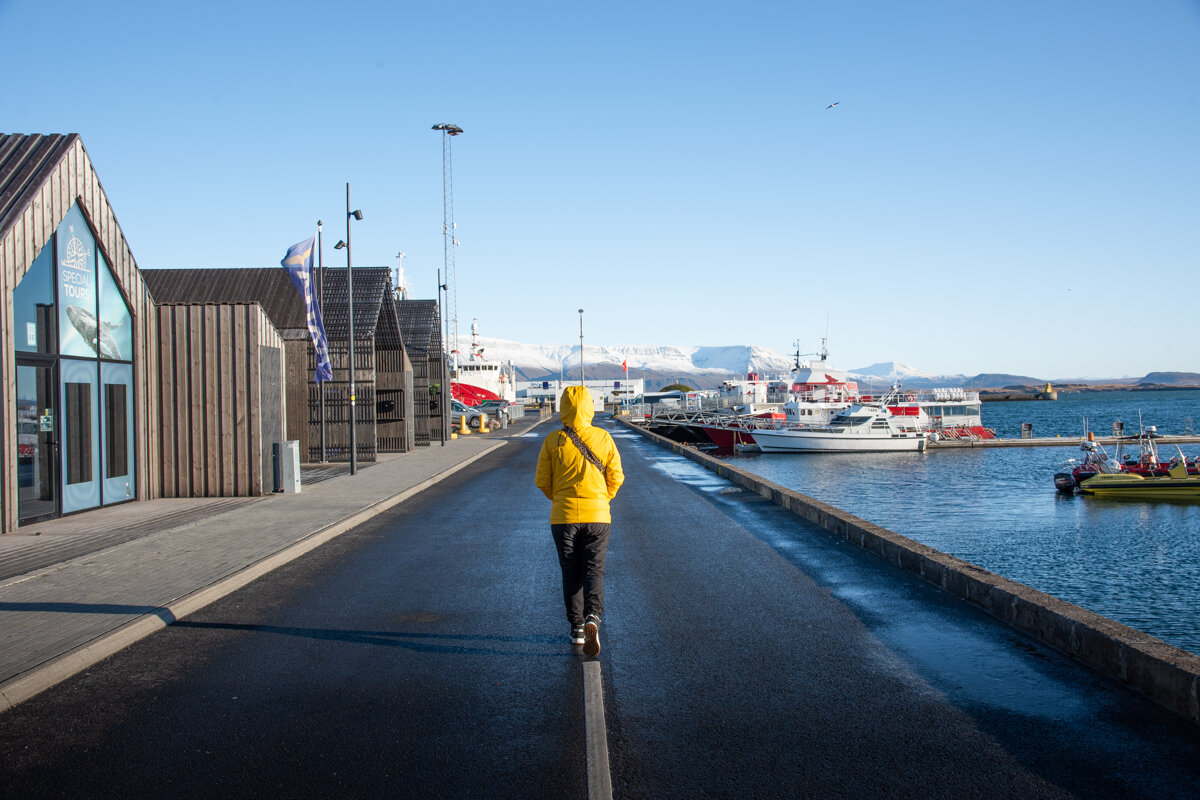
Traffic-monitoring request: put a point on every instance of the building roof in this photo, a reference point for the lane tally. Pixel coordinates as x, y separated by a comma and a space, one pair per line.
26, 162
420, 325
272, 287
373, 304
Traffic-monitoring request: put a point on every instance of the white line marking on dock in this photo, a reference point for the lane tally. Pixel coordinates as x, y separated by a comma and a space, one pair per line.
599, 777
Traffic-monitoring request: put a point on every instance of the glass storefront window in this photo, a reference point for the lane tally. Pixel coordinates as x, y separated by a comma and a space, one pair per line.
69, 310
33, 306
116, 330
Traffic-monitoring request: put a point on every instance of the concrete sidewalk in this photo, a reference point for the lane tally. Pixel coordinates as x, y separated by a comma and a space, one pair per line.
75, 590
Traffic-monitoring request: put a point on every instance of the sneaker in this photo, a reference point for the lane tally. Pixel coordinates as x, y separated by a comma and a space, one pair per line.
591, 635
577, 634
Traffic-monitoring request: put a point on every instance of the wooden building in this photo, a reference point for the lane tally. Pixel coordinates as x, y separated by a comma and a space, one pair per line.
421, 328
383, 375
383, 381
121, 384
78, 360
86, 354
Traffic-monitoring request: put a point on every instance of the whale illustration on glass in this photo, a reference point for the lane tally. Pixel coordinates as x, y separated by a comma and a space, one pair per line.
94, 334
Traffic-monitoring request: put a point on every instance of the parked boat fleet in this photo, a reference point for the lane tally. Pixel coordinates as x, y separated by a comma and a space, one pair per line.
1135, 471
818, 408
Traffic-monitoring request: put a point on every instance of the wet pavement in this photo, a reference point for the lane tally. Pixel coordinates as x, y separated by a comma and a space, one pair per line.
423, 653
77, 588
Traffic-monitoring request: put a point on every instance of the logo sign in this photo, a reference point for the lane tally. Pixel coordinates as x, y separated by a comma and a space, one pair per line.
79, 328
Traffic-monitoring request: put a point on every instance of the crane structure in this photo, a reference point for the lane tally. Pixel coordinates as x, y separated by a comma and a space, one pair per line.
449, 242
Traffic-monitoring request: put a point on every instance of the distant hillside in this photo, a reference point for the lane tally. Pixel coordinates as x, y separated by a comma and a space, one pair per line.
1171, 379
996, 380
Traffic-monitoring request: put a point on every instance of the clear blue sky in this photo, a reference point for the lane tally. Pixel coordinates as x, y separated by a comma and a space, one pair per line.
1003, 187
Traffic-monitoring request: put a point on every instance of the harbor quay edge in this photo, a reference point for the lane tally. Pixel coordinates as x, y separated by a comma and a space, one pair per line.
1160, 671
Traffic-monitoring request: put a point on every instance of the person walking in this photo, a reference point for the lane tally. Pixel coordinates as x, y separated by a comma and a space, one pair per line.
579, 471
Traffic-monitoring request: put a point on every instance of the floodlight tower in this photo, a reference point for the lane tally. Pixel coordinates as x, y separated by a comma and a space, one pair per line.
449, 243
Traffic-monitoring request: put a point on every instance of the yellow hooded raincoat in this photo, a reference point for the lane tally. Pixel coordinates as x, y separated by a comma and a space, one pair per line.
578, 491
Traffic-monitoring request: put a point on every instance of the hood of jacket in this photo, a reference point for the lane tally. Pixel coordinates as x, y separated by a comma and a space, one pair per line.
577, 407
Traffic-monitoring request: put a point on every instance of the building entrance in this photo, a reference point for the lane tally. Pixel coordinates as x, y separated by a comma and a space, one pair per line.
37, 442
74, 344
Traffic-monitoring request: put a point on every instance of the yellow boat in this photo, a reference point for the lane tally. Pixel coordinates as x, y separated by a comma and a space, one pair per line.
1177, 484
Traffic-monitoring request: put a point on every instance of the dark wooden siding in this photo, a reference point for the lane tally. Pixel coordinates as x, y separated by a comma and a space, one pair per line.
214, 441
420, 325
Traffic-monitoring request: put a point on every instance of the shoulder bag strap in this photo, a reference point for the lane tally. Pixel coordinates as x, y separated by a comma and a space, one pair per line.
573, 435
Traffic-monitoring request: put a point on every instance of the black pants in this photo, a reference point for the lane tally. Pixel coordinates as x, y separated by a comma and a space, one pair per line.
582, 547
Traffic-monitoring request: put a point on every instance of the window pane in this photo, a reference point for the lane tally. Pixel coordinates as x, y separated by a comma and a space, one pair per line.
116, 435
33, 306
116, 331
79, 432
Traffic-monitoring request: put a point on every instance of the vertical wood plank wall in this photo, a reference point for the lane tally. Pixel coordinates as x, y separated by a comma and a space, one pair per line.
212, 442
298, 378
74, 179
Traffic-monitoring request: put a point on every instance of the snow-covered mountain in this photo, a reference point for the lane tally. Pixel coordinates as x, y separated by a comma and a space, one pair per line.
713, 364
702, 367
890, 370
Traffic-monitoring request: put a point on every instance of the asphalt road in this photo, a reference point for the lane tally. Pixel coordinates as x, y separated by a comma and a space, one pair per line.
746, 654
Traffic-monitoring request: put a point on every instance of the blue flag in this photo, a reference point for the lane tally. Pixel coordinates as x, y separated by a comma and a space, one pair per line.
299, 264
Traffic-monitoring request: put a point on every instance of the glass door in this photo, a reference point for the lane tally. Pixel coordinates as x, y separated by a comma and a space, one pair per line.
116, 406
80, 435
37, 443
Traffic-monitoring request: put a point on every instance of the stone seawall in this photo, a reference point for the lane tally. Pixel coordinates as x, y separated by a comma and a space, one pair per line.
1160, 671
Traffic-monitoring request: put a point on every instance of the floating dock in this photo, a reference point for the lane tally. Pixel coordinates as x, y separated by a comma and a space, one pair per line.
1053, 441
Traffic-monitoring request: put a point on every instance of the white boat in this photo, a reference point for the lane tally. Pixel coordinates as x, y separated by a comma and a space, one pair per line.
862, 428
815, 391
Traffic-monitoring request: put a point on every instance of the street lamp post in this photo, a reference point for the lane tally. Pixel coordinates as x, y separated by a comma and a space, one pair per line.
581, 347
449, 243
356, 214
443, 403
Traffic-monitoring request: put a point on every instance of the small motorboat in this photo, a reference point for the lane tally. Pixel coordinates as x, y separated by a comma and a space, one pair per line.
1094, 462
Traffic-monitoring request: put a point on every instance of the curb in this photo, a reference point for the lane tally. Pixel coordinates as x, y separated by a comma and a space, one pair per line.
1162, 672
37, 680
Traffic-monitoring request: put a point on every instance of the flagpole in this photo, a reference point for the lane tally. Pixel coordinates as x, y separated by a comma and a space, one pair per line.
321, 310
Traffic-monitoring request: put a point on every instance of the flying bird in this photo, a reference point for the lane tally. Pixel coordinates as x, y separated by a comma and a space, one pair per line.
831, 105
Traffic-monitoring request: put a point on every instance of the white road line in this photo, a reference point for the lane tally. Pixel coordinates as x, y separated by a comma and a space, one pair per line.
599, 777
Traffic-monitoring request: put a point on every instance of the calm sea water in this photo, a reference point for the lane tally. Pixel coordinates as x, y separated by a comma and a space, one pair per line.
1135, 562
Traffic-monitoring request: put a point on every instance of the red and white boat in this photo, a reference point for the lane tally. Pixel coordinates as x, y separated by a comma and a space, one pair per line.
815, 392
478, 379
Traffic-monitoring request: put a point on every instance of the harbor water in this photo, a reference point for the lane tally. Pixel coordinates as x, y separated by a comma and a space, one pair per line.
1133, 561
